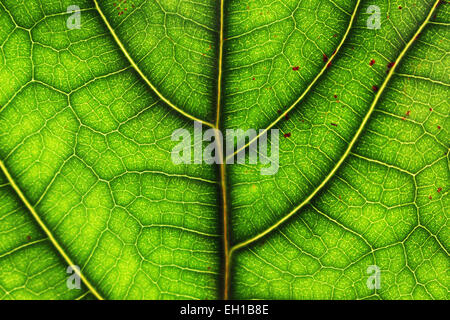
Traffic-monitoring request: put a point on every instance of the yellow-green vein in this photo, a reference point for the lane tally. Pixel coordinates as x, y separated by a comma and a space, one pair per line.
47, 230
307, 90
351, 144
141, 74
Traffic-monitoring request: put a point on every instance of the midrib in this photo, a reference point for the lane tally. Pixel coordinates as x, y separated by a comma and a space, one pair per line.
216, 126
222, 165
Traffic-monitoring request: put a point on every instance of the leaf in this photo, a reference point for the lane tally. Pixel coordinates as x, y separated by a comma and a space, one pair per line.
86, 118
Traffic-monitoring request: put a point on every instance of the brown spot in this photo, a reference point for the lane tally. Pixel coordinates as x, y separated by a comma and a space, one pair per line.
372, 62
439, 127
439, 189
334, 124
29, 238
295, 68
287, 135
375, 88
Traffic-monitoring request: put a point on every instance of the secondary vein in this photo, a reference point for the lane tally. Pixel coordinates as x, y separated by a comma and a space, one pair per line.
351, 144
307, 90
141, 74
47, 230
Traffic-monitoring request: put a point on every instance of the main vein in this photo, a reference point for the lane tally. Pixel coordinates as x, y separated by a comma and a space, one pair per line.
222, 165
47, 230
351, 144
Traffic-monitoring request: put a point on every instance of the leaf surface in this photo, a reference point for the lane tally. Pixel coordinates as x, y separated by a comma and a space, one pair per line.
86, 118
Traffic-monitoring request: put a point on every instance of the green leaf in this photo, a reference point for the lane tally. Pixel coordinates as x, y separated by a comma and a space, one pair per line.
86, 118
